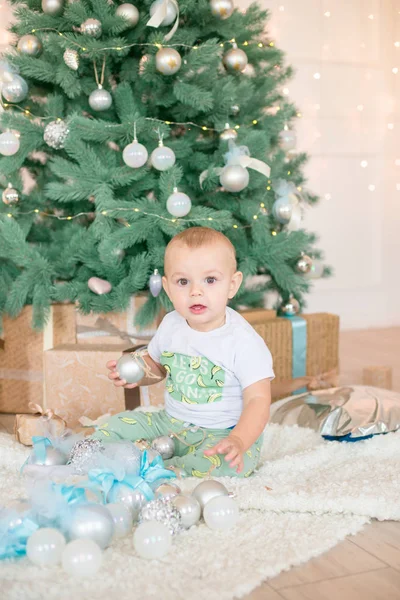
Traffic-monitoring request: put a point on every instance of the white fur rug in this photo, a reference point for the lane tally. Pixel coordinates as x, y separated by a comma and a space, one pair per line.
306, 497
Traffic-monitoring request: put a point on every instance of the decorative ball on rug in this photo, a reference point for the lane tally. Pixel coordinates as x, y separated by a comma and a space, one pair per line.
221, 512
164, 445
164, 511
92, 522
129, 369
207, 490
45, 547
53, 457
82, 558
152, 540
122, 517
132, 498
167, 491
189, 509
85, 455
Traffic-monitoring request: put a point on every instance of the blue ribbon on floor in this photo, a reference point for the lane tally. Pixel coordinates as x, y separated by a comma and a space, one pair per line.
299, 348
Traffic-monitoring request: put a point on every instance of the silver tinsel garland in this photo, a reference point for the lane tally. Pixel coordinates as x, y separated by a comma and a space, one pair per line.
162, 510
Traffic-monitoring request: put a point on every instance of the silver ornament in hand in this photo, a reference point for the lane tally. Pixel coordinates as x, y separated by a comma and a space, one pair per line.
129, 369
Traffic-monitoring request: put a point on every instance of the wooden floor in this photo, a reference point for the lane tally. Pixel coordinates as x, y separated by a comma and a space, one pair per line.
365, 566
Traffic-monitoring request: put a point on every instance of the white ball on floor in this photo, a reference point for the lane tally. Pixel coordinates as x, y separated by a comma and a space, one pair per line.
82, 558
221, 513
152, 540
45, 547
92, 522
122, 517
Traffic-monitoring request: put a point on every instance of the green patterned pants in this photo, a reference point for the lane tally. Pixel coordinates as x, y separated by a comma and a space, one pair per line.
189, 445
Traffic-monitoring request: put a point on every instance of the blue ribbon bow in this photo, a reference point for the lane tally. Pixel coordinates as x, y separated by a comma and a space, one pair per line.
40, 444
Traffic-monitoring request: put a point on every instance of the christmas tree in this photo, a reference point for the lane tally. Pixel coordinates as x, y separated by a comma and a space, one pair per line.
124, 124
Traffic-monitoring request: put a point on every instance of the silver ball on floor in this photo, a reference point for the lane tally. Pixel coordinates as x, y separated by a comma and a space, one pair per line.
167, 491
54, 457
132, 498
189, 508
164, 445
207, 490
92, 522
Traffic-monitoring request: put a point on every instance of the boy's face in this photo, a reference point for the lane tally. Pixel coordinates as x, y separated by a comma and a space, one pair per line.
199, 282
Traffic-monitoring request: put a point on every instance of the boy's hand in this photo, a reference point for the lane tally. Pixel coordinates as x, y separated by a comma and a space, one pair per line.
114, 376
232, 446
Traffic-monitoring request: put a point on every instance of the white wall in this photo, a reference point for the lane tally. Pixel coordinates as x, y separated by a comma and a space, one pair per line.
347, 113
345, 121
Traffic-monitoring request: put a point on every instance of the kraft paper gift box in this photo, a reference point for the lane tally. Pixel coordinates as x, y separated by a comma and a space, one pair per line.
76, 381
21, 355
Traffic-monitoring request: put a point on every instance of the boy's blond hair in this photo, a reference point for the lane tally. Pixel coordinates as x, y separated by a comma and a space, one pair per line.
195, 237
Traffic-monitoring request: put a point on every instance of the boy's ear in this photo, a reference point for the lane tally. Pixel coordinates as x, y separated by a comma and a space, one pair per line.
236, 282
165, 285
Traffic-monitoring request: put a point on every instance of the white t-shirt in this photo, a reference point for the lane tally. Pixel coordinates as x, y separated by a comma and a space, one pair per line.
208, 371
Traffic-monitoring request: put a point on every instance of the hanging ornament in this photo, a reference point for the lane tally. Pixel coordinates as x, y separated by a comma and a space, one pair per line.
155, 283
234, 178
164, 445
91, 27
316, 271
235, 109
291, 307
99, 286
171, 11
222, 9
129, 369
162, 158
178, 204
304, 264
100, 99
287, 139
135, 155
55, 134
129, 12
29, 45
52, 7
10, 195
282, 210
228, 134
9, 143
71, 59
235, 60
168, 61
15, 90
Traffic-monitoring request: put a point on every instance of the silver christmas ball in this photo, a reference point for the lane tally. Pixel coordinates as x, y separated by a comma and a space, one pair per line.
129, 12
15, 90
53, 7
222, 9
100, 100
55, 134
189, 508
282, 210
287, 139
54, 457
29, 45
132, 498
164, 445
235, 109
9, 143
162, 510
208, 489
85, 455
290, 308
304, 264
235, 60
135, 155
171, 12
71, 59
234, 178
155, 283
167, 490
179, 204
92, 522
91, 27
228, 134
129, 369
316, 271
168, 61
162, 158
10, 195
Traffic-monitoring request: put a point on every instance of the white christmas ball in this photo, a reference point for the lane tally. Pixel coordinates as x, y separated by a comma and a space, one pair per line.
171, 12
135, 155
15, 90
122, 517
234, 178
152, 540
222, 9
162, 158
52, 7
168, 61
282, 209
287, 139
45, 547
221, 513
9, 143
100, 100
235, 60
129, 12
130, 497
179, 204
91, 522
82, 558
